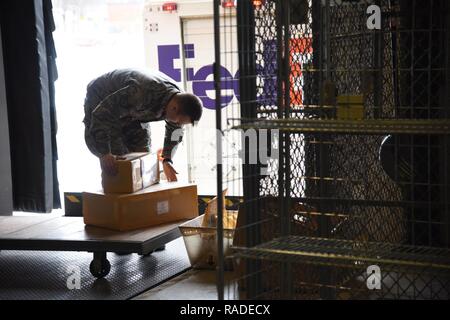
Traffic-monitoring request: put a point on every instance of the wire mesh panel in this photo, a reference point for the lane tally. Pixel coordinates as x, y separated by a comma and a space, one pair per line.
343, 125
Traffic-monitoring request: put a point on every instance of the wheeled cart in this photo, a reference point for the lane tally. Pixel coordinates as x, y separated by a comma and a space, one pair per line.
71, 234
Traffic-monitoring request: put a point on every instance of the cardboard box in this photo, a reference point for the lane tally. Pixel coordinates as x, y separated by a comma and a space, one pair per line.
158, 204
136, 171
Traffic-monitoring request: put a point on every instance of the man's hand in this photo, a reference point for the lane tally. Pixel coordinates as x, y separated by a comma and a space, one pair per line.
170, 172
108, 164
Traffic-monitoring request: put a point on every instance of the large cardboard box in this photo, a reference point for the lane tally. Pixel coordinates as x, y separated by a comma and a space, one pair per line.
158, 204
136, 171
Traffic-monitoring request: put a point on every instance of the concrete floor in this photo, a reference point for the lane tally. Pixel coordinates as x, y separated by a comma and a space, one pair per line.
192, 285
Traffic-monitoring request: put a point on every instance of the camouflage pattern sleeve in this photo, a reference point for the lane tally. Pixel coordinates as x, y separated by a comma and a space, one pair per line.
111, 114
173, 136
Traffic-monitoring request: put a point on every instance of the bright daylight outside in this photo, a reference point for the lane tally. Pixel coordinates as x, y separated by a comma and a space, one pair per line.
93, 37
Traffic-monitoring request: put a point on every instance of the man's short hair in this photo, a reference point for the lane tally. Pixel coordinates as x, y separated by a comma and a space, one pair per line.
191, 106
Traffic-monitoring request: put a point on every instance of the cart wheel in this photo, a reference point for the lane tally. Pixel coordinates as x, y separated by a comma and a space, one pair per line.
100, 266
147, 254
156, 250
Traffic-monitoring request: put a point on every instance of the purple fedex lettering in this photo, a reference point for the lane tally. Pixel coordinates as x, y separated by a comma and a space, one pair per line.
201, 85
167, 54
268, 74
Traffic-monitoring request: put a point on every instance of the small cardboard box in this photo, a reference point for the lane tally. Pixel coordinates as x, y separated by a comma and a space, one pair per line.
136, 171
158, 204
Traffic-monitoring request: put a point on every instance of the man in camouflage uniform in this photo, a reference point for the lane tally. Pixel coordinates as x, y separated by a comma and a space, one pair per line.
120, 105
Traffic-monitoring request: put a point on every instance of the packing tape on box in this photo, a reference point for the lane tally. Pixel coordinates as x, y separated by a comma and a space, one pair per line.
73, 199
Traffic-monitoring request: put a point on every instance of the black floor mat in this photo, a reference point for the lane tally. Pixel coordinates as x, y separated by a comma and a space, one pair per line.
27, 275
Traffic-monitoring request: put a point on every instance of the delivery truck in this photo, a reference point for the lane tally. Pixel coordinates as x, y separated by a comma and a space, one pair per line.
179, 42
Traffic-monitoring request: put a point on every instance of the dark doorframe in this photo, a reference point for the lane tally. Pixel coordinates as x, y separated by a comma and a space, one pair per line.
6, 200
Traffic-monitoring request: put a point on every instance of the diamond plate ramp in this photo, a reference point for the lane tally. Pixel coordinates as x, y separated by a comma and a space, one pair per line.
35, 275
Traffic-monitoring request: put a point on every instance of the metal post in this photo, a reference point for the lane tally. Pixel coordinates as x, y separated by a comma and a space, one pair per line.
279, 11
283, 15
251, 172
189, 132
219, 134
378, 67
324, 152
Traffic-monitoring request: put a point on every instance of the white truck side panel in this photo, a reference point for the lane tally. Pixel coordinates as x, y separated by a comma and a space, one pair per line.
192, 25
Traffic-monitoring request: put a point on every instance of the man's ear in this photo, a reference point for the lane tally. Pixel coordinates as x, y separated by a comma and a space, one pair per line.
177, 108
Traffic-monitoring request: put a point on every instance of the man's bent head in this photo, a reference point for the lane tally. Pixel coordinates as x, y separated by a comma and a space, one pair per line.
184, 108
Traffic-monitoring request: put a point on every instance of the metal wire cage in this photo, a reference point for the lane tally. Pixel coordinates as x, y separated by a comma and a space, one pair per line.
342, 119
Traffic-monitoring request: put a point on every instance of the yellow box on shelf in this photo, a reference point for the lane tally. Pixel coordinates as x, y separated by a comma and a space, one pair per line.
350, 107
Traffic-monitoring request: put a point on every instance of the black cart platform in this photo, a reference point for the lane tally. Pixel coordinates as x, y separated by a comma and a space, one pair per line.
71, 234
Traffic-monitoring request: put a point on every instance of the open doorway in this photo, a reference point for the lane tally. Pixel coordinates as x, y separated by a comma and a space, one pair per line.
92, 37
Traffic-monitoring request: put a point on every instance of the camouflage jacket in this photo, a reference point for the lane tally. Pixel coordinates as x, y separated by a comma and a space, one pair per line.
122, 96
